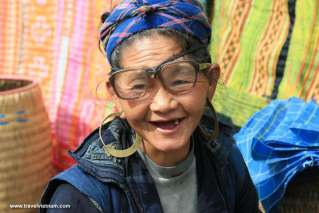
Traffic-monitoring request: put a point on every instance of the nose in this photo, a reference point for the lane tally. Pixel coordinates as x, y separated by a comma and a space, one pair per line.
163, 101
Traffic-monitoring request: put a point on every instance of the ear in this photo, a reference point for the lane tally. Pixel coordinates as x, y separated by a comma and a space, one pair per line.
110, 89
213, 76
115, 98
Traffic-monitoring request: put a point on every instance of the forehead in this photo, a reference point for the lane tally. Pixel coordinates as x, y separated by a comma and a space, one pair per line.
149, 51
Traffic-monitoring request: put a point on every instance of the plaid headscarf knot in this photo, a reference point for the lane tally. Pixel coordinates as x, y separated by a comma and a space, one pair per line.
131, 17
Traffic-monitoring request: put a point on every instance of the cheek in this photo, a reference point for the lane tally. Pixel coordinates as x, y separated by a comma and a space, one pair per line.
134, 112
196, 109
195, 103
198, 101
200, 94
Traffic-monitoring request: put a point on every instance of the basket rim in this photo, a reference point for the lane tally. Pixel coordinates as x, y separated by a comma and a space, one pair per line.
32, 84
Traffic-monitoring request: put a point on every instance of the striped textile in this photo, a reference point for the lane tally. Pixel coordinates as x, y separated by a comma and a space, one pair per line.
56, 43
278, 142
267, 50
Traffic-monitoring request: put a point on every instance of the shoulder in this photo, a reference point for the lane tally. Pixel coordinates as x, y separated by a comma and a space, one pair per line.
224, 154
71, 199
246, 198
237, 160
230, 151
227, 157
233, 157
77, 184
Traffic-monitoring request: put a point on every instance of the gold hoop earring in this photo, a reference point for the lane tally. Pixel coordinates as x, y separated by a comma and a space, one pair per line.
109, 149
214, 135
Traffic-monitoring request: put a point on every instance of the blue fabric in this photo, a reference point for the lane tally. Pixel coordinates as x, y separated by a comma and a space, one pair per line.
278, 142
88, 185
130, 17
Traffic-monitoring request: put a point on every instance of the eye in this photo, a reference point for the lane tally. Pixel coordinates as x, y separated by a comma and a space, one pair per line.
177, 82
179, 76
138, 86
138, 83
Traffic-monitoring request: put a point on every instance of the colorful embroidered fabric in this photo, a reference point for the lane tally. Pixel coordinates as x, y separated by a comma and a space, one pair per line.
267, 50
131, 17
277, 143
56, 43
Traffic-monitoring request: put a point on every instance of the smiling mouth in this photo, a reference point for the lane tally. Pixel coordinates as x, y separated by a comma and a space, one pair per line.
167, 125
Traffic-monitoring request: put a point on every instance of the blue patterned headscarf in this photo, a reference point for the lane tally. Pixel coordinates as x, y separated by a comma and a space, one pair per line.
133, 16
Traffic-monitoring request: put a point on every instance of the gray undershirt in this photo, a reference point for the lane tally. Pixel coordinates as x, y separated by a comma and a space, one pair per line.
176, 185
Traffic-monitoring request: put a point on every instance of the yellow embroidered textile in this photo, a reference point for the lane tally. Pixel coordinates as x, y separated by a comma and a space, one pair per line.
267, 50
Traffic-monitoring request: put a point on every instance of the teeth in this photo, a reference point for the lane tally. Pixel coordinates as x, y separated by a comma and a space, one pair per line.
176, 122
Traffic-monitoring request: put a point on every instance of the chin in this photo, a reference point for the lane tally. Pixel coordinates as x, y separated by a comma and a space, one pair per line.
168, 144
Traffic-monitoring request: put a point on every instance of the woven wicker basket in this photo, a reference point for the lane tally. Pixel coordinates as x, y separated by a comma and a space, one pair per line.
302, 195
25, 144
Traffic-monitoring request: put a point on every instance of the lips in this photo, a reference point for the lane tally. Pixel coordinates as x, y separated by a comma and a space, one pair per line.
168, 124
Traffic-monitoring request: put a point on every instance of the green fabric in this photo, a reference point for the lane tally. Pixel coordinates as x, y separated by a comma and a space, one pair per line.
247, 42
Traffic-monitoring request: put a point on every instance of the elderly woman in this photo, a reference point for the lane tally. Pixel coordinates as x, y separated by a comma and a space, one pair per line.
163, 152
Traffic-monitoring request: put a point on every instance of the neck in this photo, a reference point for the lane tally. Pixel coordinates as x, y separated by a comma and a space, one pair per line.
165, 158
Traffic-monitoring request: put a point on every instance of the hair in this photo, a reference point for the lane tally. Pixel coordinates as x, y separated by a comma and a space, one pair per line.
184, 40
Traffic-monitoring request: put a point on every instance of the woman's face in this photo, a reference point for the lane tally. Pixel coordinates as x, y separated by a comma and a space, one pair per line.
164, 121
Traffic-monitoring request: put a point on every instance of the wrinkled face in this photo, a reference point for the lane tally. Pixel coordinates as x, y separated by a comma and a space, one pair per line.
165, 121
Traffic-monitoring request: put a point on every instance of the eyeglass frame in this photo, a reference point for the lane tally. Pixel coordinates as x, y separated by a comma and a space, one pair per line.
154, 71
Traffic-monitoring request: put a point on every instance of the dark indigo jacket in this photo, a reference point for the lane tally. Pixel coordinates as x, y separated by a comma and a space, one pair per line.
125, 185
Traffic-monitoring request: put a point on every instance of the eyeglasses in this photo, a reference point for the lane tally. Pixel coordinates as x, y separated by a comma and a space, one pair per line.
178, 77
